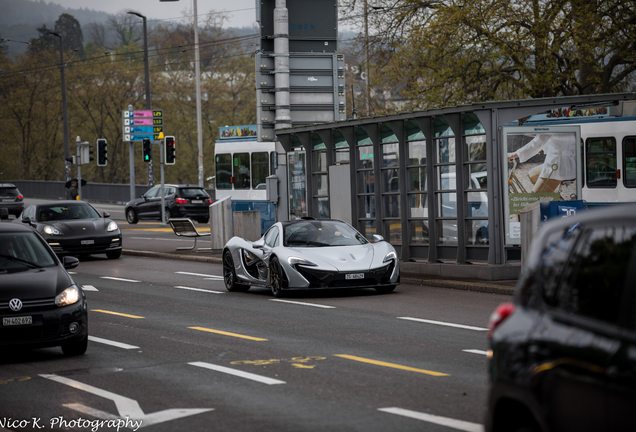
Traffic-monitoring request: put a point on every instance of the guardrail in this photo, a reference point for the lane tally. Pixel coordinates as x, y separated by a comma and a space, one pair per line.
96, 192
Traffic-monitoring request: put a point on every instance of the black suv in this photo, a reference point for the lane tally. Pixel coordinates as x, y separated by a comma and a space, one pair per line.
180, 201
563, 354
11, 199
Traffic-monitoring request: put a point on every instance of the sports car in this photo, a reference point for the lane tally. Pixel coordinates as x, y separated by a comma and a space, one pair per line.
310, 254
74, 228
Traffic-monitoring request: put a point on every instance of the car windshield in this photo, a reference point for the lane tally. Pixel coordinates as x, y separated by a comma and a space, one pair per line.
193, 192
65, 212
314, 233
23, 251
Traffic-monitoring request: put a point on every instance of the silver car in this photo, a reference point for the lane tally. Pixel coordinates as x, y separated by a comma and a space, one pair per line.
310, 254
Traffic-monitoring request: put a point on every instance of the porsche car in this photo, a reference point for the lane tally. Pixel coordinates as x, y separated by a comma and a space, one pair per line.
74, 228
309, 254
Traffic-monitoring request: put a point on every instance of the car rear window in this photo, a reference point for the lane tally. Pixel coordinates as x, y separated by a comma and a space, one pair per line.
192, 192
9, 191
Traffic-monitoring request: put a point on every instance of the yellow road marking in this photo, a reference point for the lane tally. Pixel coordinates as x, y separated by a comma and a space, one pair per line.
116, 313
227, 333
391, 365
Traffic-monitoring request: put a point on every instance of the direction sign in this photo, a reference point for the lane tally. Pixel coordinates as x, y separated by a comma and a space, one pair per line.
138, 125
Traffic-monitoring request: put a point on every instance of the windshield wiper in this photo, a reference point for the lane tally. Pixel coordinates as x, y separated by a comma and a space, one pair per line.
306, 243
21, 261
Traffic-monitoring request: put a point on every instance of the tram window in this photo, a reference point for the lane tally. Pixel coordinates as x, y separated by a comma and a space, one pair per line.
223, 170
241, 170
260, 169
629, 161
273, 161
601, 163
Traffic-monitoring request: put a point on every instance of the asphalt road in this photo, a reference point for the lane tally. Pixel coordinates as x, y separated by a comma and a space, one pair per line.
170, 346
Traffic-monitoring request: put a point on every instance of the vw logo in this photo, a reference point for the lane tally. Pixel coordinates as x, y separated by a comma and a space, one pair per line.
15, 304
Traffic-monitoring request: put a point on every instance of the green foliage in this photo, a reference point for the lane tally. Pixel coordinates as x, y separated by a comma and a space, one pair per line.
104, 80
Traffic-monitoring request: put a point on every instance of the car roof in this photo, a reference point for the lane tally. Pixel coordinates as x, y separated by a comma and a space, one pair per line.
12, 227
7, 185
61, 203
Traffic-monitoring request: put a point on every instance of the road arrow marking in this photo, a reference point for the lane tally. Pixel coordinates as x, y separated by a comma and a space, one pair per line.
125, 406
444, 421
238, 373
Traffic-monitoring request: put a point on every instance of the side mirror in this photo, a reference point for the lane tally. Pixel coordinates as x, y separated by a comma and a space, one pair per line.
258, 244
377, 238
25, 220
106, 214
70, 262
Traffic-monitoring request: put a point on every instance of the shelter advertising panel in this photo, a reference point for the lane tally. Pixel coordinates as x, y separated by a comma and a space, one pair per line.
539, 162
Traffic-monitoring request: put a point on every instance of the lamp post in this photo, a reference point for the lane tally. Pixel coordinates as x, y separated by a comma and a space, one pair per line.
67, 151
151, 173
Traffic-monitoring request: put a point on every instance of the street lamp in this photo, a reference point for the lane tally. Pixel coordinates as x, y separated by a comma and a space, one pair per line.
67, 151
151, 174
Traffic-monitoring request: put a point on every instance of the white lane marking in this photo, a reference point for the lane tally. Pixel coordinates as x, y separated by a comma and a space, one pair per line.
126, 407
89, 288
303, 303
444, 324
475, 351
200, 289
118, 279
200, 274
238, 373
443, 421
93, 412
68, 273
110, 342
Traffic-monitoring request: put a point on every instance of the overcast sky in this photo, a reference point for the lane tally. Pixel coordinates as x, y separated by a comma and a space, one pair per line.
241, 13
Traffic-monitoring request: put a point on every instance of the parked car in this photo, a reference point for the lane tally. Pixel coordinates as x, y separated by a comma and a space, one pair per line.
11, 199
74, 228
180, 201
40, 304
563, 353
310, 254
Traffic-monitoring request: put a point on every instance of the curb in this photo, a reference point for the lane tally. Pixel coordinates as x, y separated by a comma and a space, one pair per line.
438, 283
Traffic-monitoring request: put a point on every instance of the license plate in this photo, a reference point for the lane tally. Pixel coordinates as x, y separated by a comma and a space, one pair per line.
197, 202
17, 321
87, 242
354, 276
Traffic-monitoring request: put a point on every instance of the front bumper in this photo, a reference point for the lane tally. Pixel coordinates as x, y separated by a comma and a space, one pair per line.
387, 275
50, 325
62, 246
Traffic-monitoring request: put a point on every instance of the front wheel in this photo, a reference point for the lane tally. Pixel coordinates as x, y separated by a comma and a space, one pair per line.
75, 348
131, 216
229, 275
385, 289
276, 278
168, 215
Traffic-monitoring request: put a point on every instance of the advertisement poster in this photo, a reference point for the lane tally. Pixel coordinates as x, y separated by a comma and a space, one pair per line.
542, 162
297, 185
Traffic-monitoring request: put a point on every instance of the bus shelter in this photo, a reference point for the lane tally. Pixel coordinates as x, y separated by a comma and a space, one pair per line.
430, 182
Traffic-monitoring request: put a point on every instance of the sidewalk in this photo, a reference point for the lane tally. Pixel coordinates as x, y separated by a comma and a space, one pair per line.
409, 274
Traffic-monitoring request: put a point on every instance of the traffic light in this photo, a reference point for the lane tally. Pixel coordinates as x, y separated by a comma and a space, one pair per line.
102, 152
85, 155
169, 145
147, 150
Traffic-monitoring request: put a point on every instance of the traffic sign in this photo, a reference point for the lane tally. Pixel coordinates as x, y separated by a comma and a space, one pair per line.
140, 125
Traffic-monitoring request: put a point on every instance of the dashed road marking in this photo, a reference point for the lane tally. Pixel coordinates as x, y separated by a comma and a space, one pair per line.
238, 373
391, 365
119, 279
200, 289
202, 275
116, 313
447, 324
227, 333
475, 351
112, 343
430, 418
89, 288
304, 304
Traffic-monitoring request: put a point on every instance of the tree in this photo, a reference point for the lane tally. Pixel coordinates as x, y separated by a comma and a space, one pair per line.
71, 30
447, 52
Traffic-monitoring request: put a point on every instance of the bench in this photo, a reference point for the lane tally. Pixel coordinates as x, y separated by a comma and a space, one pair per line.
184, 227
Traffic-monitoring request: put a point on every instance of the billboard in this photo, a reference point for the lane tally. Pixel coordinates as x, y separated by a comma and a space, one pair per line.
539, 162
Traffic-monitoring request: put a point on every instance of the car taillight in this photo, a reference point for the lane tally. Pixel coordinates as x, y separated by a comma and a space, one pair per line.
181, 201
500, 314
209, 200
20, 197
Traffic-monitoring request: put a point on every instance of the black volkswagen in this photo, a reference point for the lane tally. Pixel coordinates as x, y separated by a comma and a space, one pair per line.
40, 304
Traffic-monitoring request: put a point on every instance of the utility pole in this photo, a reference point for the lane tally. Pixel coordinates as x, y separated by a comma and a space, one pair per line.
366, 55
197, 71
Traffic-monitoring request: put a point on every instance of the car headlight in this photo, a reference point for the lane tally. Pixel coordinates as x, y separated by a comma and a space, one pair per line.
112, 226
390, 256
293, 261
67, 297
51, 230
